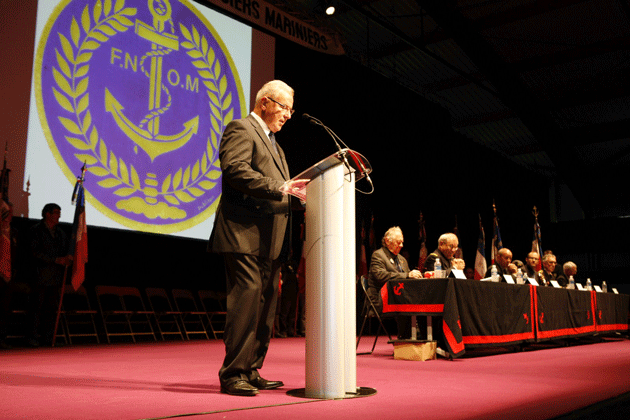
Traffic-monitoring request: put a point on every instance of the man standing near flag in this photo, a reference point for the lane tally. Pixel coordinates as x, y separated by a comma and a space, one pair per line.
49, 255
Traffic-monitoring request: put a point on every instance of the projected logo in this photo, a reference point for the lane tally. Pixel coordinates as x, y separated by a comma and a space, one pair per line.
141, 91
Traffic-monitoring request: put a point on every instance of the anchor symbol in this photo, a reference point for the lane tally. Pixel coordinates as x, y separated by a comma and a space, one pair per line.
149, 139
398, 288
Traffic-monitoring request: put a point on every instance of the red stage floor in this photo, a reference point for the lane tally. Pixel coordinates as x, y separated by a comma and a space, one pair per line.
177, 379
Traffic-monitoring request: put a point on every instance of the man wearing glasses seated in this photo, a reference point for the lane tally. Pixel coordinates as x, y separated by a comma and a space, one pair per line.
447, 247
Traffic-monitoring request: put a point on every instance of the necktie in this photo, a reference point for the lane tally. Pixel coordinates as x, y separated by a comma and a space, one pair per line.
398, 264
272, 139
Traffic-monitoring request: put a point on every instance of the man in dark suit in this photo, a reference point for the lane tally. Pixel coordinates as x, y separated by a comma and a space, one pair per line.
250, 231
448, 243
387, 264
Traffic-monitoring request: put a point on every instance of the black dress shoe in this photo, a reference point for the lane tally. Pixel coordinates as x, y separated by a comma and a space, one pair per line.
240, 387
261, 383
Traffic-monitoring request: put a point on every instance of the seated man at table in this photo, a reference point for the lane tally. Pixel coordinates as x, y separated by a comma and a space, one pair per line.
549, 273
570, 269
503, 261
447, 246
388, 264
531, 264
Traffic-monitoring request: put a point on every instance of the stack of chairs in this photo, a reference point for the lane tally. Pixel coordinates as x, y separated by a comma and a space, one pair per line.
192, 317
168, 319
123, 312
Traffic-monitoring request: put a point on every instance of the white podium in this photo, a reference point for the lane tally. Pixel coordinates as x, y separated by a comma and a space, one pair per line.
330, 253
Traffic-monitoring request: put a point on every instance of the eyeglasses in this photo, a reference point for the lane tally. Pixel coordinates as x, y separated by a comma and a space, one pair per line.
283, 106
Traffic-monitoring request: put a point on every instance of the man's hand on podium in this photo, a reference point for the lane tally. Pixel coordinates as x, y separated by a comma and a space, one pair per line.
296, 187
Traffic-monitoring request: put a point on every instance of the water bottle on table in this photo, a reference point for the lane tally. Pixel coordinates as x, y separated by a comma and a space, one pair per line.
437, 269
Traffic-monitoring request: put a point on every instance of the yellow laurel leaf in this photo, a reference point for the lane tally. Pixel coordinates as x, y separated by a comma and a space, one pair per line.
107, 7
118, 26
87, 121
81, 71
207, 185
213, 174
177, 178
70, 125
83, 103
91, 45
87, 159
215, 124
124, 173
210, 56
188, 45
113, 163
93, 137
119, 5
63, 83
214, 109
166, 183
84, 58
227, 101
102, 151
204, 45
98, 171
210, 85
97, 11
129, 11
195, 170
75, 32
184, 30
106, 30
109, 183
135, 179
205, 74
99, 36
171, 199
228, 117
124, 192
63, 64
204, 163
81, 87
215, 143
63, 101
195, 191
223, 84
186, 177
85, 19
194, 54
195, 34
123, 20
199, 64
67, 48
183, 196
77, 143
217, 70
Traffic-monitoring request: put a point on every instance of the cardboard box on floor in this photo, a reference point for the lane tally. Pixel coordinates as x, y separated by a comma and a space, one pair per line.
415, 350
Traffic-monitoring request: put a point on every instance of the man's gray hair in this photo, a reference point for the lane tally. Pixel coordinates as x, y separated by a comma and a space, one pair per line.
569, 265
390, 232
444, 238
272, 89
547, 256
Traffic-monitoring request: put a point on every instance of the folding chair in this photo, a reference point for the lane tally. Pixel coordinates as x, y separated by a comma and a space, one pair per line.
369, 311
78, 315
213, 303
166, 317
192, 317
123, 312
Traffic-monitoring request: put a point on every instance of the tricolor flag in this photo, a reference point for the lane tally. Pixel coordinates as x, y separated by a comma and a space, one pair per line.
480, 259
5, 210
422, 237
497, 244
536, 244
79, 233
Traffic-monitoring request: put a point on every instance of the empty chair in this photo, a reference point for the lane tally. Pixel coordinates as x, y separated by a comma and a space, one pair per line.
192, 317
78, 315
214, 306
168, 320
369, 311
123, 312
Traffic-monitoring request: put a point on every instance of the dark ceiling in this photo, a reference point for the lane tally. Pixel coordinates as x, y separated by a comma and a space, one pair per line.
543, 83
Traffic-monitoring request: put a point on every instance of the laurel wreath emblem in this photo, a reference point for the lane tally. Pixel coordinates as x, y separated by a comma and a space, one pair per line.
96, 27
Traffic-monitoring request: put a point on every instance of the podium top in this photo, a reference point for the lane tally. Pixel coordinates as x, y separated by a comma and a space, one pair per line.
356, 163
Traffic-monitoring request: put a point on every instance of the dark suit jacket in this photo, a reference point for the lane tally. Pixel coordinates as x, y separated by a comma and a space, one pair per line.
383, 268
253, 214
429, 263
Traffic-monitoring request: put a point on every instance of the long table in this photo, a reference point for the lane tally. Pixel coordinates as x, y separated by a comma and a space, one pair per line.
476, 313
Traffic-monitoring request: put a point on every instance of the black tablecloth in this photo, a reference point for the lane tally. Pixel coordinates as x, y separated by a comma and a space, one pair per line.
484, 313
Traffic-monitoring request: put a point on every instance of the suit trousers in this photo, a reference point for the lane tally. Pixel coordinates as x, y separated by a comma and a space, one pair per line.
252, 294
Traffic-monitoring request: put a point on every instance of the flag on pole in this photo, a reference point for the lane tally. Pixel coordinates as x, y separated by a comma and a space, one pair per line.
480, 259
5, 210
497, 244
460, 252
422, 237
536, 244
79, 233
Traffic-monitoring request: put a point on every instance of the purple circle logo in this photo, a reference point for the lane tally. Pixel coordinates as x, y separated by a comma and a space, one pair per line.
140, 91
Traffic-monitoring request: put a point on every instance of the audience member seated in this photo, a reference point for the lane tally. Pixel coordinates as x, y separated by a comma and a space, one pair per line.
531, 264
548, 272
447, 246
469, 272
387, 264
570, 269
503, 262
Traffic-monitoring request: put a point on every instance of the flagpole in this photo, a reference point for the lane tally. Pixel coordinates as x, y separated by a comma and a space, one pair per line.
63, 290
